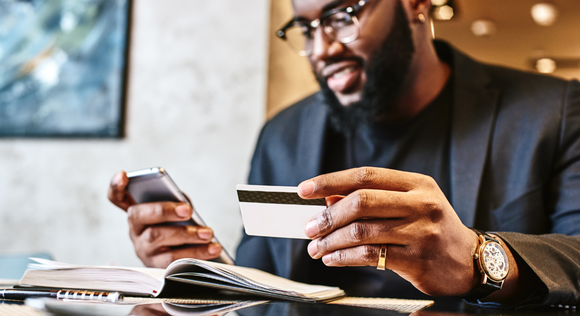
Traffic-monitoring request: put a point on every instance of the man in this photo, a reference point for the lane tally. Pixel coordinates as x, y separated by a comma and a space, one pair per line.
448, 143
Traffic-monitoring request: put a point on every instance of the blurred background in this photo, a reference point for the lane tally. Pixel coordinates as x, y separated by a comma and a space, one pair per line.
529, 35
199, 80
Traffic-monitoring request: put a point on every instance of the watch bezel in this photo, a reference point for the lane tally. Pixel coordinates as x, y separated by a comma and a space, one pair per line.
481, 260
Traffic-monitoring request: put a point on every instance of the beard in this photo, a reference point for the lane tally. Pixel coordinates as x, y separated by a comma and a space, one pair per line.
385, 73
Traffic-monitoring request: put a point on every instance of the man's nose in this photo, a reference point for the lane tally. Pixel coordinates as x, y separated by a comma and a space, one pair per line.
324, 47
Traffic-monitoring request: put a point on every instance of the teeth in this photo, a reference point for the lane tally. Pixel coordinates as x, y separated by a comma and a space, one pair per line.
342, 72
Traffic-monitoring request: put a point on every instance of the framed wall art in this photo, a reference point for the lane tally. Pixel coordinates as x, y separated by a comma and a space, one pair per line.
63, 67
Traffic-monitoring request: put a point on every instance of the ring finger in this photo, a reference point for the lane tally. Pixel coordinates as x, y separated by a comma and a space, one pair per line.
365, 255
358, 233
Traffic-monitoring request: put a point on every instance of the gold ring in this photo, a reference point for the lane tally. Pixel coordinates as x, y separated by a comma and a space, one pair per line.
382, 258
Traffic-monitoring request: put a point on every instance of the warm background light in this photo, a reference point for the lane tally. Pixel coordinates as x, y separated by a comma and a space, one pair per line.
546, 65
483, 28
443, 13
439, 2
544, 14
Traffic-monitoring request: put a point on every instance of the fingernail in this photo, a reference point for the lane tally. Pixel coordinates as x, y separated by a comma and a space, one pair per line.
183, 211
118, 180
311, 229
204, 233
313, 248
327, 258
306, 188
214, 249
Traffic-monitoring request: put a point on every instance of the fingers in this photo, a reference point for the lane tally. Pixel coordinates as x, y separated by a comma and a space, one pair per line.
348, 181
157, 237
331, 200
427, 244
117, 192
146, 214
164, 256
358, 205
360, 233
158, 244
365, 255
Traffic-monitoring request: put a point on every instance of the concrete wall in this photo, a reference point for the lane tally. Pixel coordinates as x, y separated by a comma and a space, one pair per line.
195, 105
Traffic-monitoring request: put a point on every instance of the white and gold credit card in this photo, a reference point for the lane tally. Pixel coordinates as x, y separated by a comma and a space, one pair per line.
276, 211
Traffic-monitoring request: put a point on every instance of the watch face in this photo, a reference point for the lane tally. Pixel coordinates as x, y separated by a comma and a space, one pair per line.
495, 261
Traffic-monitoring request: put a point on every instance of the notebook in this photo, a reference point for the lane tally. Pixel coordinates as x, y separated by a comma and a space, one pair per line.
182, 275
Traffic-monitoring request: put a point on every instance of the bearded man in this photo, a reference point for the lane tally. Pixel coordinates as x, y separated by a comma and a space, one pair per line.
411, 143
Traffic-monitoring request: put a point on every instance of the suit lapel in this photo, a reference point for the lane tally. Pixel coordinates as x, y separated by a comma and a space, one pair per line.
309, 160
474, 113
311, 141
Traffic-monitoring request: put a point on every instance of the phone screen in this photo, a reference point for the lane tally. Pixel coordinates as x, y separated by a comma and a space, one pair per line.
153, 187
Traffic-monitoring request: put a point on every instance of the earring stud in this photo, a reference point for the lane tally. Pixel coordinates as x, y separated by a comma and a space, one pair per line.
421, 18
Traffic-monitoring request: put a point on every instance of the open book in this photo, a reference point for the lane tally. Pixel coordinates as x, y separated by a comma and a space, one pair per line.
192, 272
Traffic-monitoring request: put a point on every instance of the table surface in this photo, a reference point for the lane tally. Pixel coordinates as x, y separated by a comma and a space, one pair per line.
442, 307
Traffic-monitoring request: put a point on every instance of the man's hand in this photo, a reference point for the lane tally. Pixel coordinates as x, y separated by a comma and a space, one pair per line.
426, 242
158, 245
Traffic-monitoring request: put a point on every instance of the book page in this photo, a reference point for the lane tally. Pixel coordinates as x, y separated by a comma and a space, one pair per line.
45, 264
259, 278
48, 273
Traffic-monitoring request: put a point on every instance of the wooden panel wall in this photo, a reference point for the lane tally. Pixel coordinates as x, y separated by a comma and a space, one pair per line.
289, 76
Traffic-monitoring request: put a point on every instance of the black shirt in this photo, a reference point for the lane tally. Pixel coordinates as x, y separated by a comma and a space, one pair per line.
420, 145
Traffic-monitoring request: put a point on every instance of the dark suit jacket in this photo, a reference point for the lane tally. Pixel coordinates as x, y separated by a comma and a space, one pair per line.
515, 169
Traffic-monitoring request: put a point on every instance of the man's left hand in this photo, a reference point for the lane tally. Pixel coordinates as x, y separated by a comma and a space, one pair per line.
426, 242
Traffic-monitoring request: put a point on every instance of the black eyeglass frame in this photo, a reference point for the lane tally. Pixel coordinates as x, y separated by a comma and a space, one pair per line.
314, 24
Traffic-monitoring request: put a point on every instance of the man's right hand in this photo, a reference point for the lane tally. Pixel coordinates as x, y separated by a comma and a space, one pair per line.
158, 245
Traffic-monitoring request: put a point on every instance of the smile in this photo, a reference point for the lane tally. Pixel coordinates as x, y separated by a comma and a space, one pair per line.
343, 77
343, 72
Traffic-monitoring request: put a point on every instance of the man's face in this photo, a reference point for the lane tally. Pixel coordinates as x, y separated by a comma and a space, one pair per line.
361, 80
342, 66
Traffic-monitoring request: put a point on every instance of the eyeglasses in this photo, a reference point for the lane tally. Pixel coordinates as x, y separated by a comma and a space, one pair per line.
339, 24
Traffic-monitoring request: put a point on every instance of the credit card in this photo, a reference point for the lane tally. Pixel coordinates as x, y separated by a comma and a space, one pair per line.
276, 211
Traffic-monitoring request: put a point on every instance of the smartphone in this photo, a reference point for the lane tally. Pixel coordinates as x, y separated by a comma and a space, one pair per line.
155, 185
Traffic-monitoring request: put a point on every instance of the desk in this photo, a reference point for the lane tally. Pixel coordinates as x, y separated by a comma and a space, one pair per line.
442, 307
446, 307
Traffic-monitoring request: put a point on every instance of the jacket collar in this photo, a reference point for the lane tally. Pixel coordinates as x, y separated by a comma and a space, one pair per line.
475, 103
312, 140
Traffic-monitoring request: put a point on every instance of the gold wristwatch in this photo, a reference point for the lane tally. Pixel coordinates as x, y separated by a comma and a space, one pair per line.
492, 263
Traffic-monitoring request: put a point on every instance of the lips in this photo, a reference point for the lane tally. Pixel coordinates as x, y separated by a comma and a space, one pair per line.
342, 76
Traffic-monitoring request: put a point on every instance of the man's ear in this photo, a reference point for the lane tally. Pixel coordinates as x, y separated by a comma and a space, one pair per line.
419, 6
417, 10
